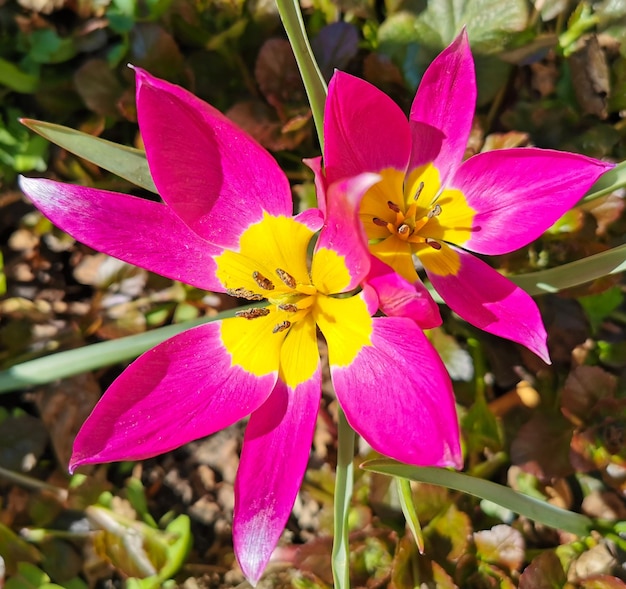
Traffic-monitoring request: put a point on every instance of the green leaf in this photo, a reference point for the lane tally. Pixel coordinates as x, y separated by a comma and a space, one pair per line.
529, 507
15, 79
408, 509
127, 162
599, 306
590, 268
609, 181
490, 23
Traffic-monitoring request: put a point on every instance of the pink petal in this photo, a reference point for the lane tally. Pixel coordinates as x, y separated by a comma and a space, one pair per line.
273, 462
364, 130
397, 297
214, 175
312, 218
443, 109
398, 396
315, 163
179, 391
519, 193
138, 231
491, 302
343, 231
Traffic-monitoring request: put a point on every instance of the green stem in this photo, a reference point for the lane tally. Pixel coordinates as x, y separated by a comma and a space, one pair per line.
343, 493
314, 83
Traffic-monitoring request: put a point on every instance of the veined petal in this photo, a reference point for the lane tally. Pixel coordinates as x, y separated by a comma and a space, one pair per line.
488, 300
346, 325
215, 176
272, 243
138, 231
443, 109
181, 390
364, 130
397, 394
274, 457
399, 298
519, 193
343, 232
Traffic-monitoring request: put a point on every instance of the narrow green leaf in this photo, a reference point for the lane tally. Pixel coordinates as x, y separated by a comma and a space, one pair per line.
408, 509
535, 509
127, 162
64, 364
590, 268
609, 181
12, 77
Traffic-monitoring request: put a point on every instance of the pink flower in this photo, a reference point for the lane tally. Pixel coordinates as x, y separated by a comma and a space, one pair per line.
432, 205
226, 225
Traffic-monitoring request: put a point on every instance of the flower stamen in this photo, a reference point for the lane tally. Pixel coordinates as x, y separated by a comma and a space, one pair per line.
418, 191
393, 206
379, 222
253, 313
262, 281
289, 307
435, 212
244, 293
287, 278
282, 326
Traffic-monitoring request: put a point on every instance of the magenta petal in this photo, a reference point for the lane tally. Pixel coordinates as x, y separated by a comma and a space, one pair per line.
364, 130
215, 176
274, 458
141, 232
519, 193
181, 390
491, 302
315, 163
399, 298
398, 396
443, 109
343, 231
312, 218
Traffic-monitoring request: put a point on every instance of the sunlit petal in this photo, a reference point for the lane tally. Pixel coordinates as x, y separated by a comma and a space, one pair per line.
519, 193
273, 462
397, 395
488, 300
364, 130
138, 231
215, 176
179, 391
443, 109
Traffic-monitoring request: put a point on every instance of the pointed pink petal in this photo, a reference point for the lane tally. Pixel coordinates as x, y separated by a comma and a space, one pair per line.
215, 176
397, 297
489, 301
138, 231
398, 396
273, 462
443, 109
519, 193
179, 391
315, 163
343, 231
364, 130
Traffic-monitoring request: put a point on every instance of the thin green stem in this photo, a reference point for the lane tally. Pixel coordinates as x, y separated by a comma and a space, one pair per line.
343, 493
314, 83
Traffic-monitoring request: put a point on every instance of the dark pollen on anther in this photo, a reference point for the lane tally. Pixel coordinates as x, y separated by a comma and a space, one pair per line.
253, 313
418, 191
287, 278
393, 206
282, 326
289, 307
244, 293
264, 283
379, 222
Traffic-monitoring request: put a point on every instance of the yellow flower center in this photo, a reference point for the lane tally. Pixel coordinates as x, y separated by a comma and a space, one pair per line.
272, 264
